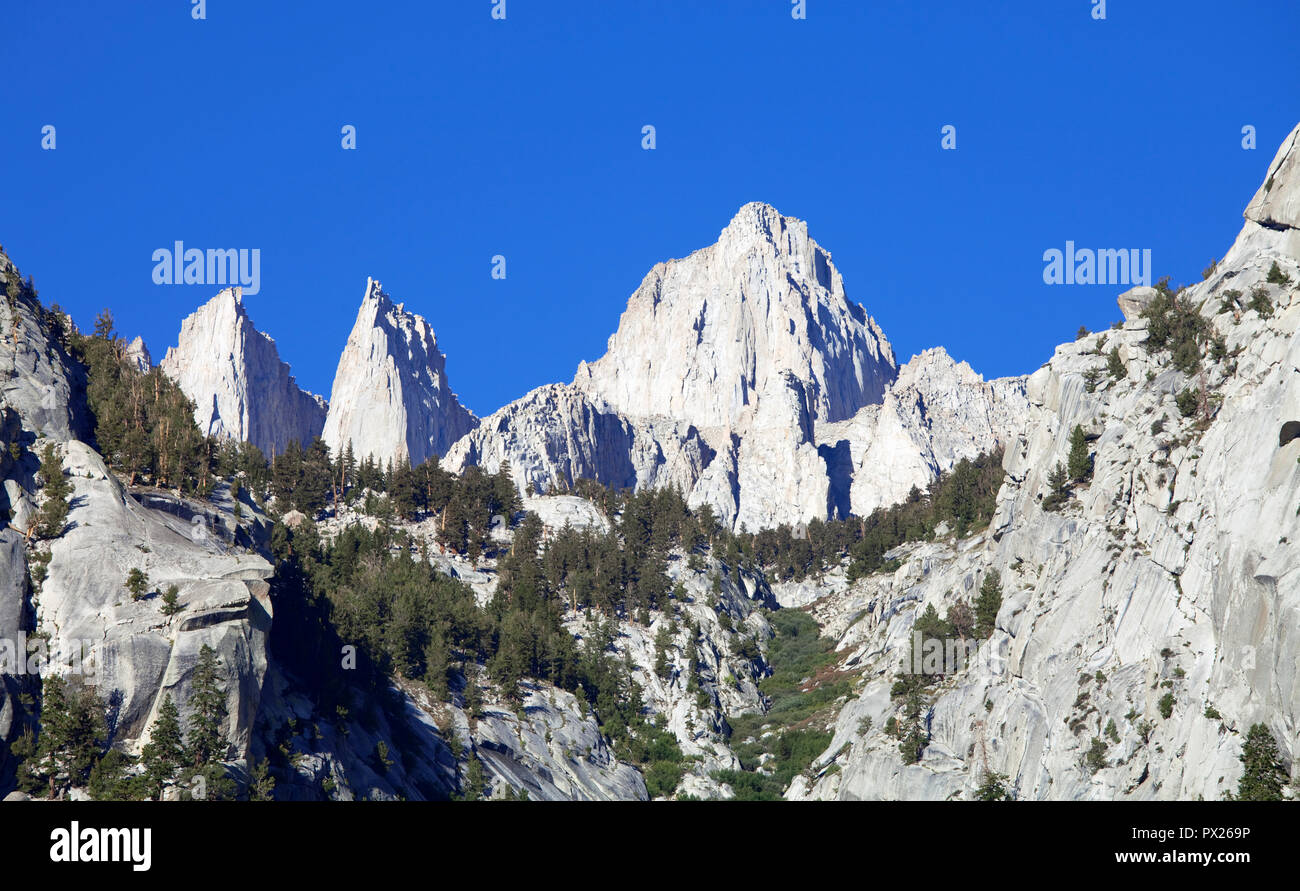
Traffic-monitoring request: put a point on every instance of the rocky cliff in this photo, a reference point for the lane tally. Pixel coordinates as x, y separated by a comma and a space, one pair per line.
1152, 619
78, 608
233, 373
391, 399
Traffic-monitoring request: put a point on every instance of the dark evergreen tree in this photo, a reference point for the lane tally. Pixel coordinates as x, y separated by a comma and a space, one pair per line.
1080, 462
164, 755
208, 701
1263, 773
987, 605
54, 513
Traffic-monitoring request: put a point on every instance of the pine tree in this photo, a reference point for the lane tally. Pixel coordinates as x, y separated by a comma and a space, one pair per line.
165, 753
473, 695
987, 605
437, 659
74, 731
208, 700
1115, 365
261, 786
1080, 464
1263, 774
170, 601
663, 640
475, 783
993, 788
54, 512
137, 582
1057, 483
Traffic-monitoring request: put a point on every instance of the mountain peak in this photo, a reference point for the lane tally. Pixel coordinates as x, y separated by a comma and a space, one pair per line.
233, 372
1276, 204
702, 335
391, 399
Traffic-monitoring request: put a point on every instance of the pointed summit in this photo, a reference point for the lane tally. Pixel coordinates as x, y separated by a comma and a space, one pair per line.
391, 398
1277, 203
704, 336
241, 389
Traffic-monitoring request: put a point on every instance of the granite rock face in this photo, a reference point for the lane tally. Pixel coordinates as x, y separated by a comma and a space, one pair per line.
15, 622
136, 654
556, 434
233, 373
37, 379
138, 355
937, 412
391, 399
1155, 617
744, 376
703, 337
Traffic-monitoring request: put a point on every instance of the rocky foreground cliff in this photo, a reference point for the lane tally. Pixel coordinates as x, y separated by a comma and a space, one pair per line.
1154, 617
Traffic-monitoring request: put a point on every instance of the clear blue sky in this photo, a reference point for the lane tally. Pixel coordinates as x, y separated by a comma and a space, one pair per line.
523, 138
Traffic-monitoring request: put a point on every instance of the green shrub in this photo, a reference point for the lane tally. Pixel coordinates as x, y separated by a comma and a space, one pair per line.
1095, 757
994, 788
1115, 365
1229, 302
1260, 302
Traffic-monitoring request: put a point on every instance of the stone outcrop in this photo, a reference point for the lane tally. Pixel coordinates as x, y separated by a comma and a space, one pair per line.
137, 655
233, 373
37, 379
138, 355
391, 399
937, 412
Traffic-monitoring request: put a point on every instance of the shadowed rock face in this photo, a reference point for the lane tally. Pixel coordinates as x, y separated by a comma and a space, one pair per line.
233, 373
15, 621
1290, 430
391, 399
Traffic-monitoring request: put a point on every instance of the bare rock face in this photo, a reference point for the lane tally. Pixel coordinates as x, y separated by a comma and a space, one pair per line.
16, 684
744, 376
703, 337
80, 613
391, 399
1276, 204
780, 476
1134, 300
1148, 623
556, 435
37, 379
233, 373
138, 355
938, 412
137, 656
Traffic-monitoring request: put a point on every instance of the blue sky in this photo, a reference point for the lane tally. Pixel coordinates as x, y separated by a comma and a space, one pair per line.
522, 138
